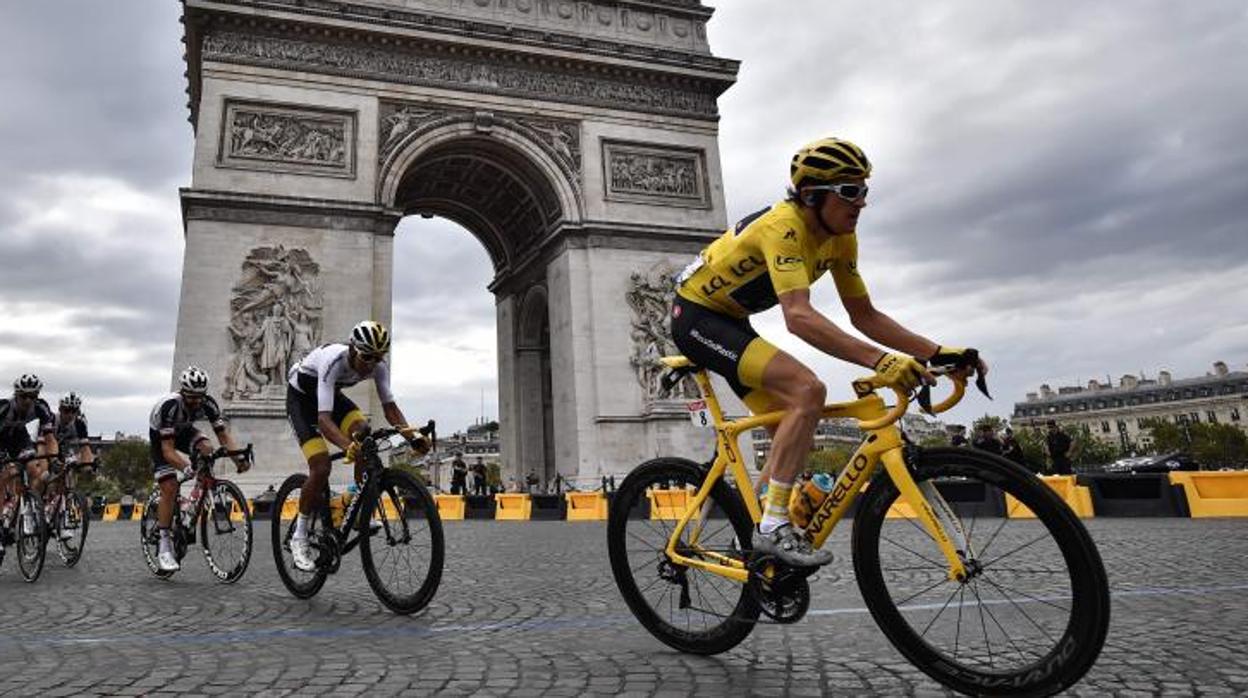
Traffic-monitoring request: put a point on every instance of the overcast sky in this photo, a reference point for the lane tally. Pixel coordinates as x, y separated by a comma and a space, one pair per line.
1062, 184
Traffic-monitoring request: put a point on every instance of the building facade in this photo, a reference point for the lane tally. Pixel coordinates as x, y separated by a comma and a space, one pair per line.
1117, 414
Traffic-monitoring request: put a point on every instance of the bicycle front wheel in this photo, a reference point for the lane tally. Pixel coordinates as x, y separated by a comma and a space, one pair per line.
401, 546
149, 534
71, 526
1032, 615
687, 608
304, 585
225, 531
31, 537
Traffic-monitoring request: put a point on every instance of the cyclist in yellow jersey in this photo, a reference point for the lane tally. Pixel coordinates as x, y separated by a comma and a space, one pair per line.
772, 257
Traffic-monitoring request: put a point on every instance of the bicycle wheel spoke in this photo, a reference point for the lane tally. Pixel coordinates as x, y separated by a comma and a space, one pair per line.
938, 613
915, 553
1024, 546
908, 599
983, 625
997, 623
1027, 596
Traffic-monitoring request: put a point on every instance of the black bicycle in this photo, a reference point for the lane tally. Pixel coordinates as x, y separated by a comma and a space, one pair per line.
219, 510
67, 513
23, 523
396, 526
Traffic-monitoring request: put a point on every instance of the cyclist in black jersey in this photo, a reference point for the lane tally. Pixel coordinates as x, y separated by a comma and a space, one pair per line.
318, 411
172, 433
771, 258
15, 413
70, 428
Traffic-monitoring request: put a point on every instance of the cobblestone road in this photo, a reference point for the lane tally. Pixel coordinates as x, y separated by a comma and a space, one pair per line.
531, 609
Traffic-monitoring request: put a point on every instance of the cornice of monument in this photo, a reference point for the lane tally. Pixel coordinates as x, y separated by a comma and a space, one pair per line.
270, 209
389, 44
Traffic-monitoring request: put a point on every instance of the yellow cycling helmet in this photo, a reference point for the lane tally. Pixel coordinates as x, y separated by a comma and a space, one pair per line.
827, 159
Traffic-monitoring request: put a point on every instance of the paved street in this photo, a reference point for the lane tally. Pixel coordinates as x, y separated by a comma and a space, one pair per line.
531, 609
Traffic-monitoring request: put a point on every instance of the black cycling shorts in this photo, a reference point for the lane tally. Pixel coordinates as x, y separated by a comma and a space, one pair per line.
301, 410
726, 345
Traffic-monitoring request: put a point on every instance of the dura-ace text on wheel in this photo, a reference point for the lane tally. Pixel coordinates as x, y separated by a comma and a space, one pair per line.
1032, 615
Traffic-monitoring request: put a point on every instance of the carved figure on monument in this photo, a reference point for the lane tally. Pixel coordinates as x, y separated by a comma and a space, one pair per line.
286, 137
275, 318
650, 298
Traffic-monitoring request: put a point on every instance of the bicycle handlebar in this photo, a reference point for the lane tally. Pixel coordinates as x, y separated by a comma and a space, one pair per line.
429, 430
866, 386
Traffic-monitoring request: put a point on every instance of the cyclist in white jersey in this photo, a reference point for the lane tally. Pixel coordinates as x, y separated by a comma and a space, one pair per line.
318, 411
172, 433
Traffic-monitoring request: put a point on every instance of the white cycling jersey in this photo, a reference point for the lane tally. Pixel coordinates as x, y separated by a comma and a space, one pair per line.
328, 367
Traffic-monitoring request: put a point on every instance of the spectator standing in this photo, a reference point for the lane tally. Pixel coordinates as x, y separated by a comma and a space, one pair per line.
959, 436
1010, 448
1061, 450
479, 477
459, 476
986, 439
530, 483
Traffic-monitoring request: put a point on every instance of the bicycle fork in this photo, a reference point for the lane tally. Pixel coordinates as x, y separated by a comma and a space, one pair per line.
934, 513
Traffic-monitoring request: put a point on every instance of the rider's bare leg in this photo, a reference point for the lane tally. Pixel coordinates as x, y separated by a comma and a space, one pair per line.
801, 394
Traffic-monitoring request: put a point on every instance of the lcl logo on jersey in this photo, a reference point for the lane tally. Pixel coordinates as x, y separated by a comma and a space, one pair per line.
746, 266
714, 285
783, 261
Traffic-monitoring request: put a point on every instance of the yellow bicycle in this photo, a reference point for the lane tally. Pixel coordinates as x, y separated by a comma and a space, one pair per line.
974, 569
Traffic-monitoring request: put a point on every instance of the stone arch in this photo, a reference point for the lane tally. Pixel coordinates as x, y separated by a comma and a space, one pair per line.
533, 382
421, 173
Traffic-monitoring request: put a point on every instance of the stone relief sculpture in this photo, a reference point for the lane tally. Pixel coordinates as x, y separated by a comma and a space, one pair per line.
647, 173
286, 138
456, 73
275, 318
649, 296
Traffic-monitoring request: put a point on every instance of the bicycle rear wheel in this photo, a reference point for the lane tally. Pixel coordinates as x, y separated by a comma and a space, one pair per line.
31, 532
403, 558
226, 541
1032, 616
303, 585
74, 519
689, 609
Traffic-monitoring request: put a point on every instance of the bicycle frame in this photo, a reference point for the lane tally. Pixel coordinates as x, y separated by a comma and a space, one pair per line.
883, 444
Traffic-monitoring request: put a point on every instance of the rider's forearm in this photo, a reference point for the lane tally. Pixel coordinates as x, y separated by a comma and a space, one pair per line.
172, 456
819, 332
393, 414
887, 331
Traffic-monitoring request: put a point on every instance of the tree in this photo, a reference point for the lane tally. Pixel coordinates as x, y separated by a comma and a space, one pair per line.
129, 465
997, 424
1212, 445
830, 458
1090, 450
1035, 453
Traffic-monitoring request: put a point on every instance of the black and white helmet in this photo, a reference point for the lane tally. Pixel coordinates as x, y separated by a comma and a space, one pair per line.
71, 401
370, 337
27, 384
193, 381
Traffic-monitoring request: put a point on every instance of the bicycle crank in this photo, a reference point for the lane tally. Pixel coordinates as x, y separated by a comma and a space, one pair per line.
782, 592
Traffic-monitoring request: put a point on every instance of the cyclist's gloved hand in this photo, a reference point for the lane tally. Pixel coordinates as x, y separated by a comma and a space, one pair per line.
418, 442
963, 362
901, 371
353, 449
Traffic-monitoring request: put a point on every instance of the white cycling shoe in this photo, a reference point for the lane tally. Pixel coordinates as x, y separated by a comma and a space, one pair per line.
302, 554
167, 562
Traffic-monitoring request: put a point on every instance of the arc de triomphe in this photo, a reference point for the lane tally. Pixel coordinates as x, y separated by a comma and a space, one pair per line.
577, 140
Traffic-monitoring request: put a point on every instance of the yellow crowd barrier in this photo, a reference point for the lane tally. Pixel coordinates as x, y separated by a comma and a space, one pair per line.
136, 514
669, 504
236, 512
290, 509
511, 506
451, 507
586, 506
1214, 493
1078, 498
112, 511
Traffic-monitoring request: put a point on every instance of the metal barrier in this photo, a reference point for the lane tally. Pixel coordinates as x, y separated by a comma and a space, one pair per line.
1134, 494
586, 506
1076, 496
1216, 493
512, 506
451, 507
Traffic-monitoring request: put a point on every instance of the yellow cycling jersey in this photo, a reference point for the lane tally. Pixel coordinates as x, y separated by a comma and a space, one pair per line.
767, 253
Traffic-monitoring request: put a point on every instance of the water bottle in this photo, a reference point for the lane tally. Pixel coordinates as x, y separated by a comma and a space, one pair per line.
807, 500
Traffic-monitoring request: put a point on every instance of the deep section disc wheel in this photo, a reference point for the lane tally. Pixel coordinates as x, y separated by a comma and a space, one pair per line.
687, 608
1031, 616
